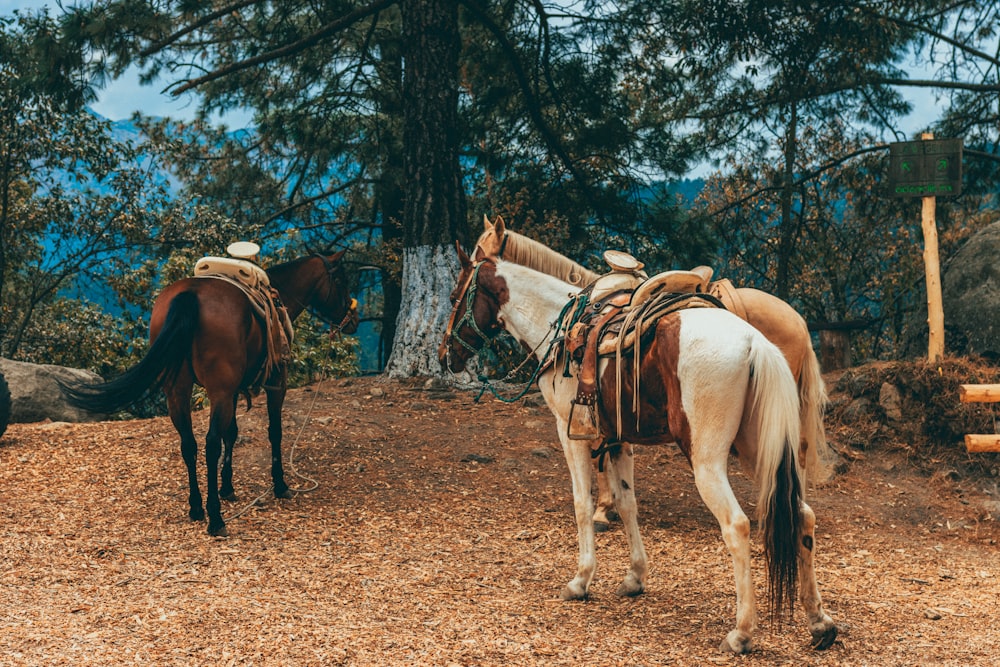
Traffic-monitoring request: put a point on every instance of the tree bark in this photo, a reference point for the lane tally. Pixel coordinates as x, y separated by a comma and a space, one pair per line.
434, 204
786, 228
428, 277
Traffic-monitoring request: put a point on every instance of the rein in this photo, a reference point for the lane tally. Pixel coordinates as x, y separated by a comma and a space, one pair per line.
469, 297
468, 319
555, 327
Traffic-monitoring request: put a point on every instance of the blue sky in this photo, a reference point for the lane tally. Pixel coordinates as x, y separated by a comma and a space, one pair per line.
126, 95
122, 97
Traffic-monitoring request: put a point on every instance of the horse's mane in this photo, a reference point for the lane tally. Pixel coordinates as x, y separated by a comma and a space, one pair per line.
538, 256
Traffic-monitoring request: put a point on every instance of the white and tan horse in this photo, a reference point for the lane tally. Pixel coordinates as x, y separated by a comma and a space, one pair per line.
773, 317
710, 383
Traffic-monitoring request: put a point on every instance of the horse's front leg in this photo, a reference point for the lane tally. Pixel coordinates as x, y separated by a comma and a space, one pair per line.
578, 460
229, 436
275, 399
620, 473
821, 626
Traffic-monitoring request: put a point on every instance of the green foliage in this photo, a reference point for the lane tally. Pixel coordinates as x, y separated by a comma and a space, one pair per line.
77, 205
317, 355
81, 335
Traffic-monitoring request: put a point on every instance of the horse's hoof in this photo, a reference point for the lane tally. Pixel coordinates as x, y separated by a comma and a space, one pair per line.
570, 593
601, 526
287, 493
737, 642
197, 514
230, 497
218, 532
823, 639
613, 515
630, 589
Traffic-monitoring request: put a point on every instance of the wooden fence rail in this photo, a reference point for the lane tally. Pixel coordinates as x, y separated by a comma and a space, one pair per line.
981, 393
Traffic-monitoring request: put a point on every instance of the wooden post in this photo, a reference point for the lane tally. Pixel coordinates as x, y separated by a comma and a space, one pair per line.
834, 350
932, 273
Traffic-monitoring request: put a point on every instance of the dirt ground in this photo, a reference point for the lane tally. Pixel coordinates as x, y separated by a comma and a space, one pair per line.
429, 529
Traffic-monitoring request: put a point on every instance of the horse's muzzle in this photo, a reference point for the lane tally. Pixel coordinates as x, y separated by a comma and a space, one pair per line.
349, 324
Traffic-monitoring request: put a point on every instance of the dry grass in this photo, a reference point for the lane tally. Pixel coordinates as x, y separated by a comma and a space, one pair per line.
440, 532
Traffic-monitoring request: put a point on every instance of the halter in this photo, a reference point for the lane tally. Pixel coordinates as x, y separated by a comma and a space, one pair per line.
468, 319
469, 295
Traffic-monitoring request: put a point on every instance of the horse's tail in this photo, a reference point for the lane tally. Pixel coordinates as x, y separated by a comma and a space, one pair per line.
776, 411
161, 363
813, 400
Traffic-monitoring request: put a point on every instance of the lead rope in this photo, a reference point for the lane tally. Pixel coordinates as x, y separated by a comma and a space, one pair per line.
291, 461
555, 328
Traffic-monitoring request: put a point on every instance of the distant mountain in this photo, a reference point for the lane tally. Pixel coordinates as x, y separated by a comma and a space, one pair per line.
688, 188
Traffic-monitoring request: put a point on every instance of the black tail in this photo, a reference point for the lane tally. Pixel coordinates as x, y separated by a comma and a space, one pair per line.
171, 348
782, 536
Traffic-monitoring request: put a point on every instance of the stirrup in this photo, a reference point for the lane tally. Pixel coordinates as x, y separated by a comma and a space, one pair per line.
581, 436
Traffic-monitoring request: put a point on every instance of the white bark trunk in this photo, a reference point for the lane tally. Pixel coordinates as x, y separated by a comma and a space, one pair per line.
429, 274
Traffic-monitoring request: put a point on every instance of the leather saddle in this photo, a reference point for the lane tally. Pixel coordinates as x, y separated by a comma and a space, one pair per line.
270, 312
615, 312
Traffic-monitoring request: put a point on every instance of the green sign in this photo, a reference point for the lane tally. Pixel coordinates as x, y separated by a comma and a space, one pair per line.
930, 168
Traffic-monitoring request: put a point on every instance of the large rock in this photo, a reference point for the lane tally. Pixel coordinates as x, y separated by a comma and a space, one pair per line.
970, 289
970, 286
35, 396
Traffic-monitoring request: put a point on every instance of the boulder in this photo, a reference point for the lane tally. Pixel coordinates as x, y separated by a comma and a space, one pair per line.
970, 290
970, 287
35, 396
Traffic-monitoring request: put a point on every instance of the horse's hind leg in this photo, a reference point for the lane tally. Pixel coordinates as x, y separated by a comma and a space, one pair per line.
620, 470
275, 399
218, 423
604, 512
712, 481
821, 626
178, 405
229, 435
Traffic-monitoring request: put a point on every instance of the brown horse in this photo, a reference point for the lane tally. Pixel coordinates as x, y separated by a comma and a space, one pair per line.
205, 330
709, 382
777, 320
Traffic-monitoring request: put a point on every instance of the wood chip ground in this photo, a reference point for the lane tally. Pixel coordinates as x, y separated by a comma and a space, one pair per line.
432, 530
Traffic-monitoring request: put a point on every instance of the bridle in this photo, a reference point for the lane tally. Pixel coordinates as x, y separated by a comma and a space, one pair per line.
352, 304
468, 319
468, 295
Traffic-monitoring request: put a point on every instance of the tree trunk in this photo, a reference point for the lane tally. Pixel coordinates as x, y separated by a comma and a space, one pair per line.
434, 206
786, 229
389, 188
428, 277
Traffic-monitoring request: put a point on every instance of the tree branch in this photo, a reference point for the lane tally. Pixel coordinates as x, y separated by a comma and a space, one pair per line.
200, 23
933, 33
289, 49
531, 101
807, 176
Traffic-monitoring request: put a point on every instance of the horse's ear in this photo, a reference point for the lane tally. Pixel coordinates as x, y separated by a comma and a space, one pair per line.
487, 225
337, 256
500, 227
462, 257
479, 254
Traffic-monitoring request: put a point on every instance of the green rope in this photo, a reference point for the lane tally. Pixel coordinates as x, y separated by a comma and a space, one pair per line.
557, 326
